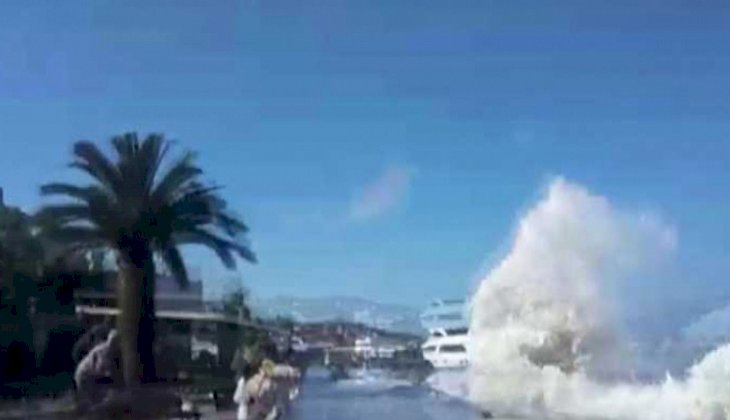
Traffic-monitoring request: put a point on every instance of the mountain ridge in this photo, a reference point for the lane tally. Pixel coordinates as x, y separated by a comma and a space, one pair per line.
386, 316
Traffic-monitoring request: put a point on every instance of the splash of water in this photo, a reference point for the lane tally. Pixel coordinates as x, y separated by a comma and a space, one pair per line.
453, 383
545, 335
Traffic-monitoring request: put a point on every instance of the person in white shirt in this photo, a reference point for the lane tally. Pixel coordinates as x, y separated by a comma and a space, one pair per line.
240, 397
260, 389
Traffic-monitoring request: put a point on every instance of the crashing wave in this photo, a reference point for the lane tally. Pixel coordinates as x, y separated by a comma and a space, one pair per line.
546, 340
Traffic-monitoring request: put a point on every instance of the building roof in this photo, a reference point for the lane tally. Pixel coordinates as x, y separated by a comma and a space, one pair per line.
180, 315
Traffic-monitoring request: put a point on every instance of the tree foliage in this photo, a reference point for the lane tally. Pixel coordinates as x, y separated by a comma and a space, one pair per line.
133, 204
235, 303
21, 256
138, 207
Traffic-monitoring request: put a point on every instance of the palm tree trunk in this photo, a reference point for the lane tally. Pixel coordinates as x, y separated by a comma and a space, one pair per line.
147, 324
130, 315
136, 318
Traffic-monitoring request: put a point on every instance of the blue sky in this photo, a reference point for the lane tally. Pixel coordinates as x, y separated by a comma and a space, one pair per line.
386, 148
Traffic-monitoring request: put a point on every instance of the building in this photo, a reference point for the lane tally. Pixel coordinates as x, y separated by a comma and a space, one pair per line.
169, 295
184, 319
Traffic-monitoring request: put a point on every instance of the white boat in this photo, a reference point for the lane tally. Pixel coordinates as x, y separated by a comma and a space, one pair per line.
446, 346
364, 348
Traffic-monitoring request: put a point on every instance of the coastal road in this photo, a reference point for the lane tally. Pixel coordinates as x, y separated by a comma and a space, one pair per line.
373, 398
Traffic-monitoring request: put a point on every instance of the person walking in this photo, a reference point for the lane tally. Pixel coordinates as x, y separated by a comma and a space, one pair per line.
240, 397
261, 393
98, 369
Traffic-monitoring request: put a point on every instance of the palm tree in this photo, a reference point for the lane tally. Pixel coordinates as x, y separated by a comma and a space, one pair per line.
138, 210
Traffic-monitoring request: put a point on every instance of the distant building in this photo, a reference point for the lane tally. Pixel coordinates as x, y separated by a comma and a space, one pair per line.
169, 295
364, 348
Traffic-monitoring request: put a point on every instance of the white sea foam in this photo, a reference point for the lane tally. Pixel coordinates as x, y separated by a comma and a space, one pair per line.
546, 340
371, 380
454, 383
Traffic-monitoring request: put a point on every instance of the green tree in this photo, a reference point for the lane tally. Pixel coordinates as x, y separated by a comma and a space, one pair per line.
137, 210
21, 256
21, 261
235, 303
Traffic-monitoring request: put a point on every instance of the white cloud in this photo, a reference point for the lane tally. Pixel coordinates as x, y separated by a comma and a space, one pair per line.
382, 195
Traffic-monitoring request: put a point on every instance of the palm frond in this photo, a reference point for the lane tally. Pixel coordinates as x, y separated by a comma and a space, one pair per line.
87, 194
126, 146
176, 179
92, 205
139, 161
195, 203
135, 162
225, 249
64, 213
94, 163
76, 235
202, 210
173, 260
231, 224
153, 151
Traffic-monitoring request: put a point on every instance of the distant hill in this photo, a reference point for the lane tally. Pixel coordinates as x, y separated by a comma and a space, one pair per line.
345, 334
390, 317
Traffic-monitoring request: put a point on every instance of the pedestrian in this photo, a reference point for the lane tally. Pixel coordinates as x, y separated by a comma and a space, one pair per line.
96, 335
98, 369
284, 378
261, 393
241, 398
239, 362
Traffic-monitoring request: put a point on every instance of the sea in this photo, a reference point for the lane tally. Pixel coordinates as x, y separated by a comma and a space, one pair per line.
552, 331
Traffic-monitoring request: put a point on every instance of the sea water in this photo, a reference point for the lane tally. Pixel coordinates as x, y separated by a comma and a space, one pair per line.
548, 334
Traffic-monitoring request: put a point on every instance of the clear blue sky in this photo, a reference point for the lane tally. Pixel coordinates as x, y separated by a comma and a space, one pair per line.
385, 148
